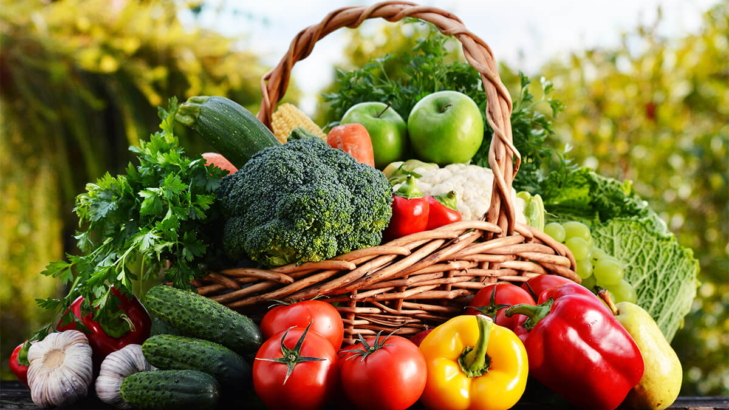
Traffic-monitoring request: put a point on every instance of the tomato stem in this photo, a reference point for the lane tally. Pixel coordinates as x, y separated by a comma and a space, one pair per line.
292, 357
492, 309
368, 350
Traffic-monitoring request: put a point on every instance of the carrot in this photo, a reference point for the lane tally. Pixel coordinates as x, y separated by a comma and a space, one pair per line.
354, 140
213, 158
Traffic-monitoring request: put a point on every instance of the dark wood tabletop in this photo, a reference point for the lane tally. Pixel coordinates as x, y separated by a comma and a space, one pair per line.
14, 395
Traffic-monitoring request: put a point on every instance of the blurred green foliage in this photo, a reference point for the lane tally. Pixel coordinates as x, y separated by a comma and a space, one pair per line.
79, 82
654, 110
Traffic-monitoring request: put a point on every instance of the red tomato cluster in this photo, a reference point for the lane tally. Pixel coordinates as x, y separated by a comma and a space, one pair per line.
298, 366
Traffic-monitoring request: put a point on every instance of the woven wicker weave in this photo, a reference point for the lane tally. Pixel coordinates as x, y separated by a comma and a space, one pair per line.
421, 280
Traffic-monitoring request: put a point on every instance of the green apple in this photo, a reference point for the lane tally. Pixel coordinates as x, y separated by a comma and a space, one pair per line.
387, 129
445, 127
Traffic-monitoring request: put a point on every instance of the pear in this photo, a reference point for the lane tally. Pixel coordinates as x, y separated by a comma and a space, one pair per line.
663, 374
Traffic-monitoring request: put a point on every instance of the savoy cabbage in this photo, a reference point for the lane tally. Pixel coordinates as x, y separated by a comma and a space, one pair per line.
661, 271
623, 225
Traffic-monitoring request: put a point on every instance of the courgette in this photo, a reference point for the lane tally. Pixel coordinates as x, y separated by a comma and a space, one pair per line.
227, 126
170, 390
200, 317
185, 353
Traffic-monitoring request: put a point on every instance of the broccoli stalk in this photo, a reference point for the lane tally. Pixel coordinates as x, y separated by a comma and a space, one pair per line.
303, 202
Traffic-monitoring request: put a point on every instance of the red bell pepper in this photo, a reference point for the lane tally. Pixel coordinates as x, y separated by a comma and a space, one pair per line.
410, 210
578, 349
538, 284
442, 210
20, 371
130, 325
520, 323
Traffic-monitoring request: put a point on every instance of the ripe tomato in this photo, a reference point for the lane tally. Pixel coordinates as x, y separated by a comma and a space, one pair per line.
295, 370
324, 318
383, 373
213, 158
538, 284
494, 300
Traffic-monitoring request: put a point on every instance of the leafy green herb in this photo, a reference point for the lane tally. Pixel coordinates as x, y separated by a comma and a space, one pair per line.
160, 211
425, 71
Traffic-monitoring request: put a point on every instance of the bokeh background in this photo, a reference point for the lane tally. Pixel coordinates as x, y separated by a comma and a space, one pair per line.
646, 85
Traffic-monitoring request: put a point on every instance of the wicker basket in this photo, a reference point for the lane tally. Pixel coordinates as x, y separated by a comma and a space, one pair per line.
421, 280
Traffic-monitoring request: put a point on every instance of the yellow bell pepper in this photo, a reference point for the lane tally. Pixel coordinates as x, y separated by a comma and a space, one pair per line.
473, 364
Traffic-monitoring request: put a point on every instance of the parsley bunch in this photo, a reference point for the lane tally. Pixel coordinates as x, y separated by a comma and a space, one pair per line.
426, 70
160, 211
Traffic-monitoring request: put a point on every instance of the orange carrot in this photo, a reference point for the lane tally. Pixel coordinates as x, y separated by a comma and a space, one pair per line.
213, 158
354, 140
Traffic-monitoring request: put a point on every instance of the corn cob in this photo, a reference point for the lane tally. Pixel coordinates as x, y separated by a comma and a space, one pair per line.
287, 117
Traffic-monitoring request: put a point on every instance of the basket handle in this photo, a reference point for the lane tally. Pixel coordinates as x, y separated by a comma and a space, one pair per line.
477, 53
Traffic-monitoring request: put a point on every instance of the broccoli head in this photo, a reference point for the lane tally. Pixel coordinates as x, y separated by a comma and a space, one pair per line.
303, 202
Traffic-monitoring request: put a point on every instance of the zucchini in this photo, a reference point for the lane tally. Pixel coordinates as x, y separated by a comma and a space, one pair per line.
200, 317
185, 353
170, 390
227, 126
159, 327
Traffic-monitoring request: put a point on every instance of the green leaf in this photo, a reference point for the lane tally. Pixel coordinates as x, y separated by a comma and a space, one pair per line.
100, 209
59, 269
49, 303
146, 239
83, 241
173, 186
152, 205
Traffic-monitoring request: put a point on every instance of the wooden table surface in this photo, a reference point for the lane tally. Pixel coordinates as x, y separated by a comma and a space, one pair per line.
13, 395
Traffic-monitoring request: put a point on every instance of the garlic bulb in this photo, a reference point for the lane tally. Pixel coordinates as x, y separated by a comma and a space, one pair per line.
60, 369
116, 367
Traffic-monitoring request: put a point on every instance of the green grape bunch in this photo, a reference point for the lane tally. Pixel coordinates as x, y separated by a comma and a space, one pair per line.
595, 267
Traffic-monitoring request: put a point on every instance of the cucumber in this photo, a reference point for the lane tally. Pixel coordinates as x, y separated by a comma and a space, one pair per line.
200, 317
227, 126
159, 327
179, 352
170, 390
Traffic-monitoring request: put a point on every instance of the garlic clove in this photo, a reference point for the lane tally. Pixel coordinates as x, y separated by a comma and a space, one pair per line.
60, 370
116, 367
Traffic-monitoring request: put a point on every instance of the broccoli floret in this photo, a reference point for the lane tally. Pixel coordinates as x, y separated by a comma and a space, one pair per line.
303, 202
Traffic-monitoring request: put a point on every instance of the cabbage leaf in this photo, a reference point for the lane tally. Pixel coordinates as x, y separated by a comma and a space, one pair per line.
585, 194
661, 271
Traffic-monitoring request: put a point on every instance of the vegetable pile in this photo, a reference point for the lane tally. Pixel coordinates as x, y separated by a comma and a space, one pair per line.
408, 156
